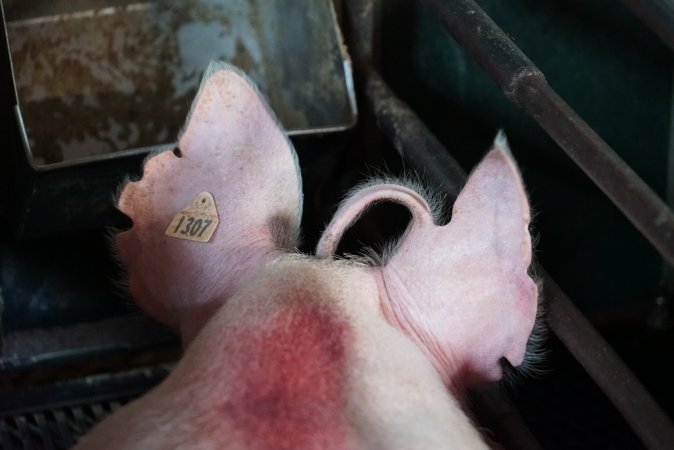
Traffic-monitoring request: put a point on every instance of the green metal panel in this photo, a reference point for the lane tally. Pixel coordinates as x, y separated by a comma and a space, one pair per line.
610, 68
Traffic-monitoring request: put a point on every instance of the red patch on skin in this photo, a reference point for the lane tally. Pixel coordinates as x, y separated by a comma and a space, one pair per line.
292, 374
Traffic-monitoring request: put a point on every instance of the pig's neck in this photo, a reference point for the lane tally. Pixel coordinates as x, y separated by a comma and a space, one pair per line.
194, 313
396, 306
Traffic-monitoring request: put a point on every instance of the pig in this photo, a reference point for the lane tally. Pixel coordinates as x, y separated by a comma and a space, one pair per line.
291, 351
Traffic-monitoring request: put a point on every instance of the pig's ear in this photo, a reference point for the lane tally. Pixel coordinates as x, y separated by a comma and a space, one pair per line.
213, 209
460, 290
493, 204
365, 196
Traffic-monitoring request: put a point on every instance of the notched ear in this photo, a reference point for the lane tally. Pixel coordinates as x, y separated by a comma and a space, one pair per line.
492, 206
361, 199
208, 211
462, 290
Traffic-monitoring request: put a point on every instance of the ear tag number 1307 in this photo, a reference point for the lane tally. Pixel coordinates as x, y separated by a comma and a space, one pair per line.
197, 221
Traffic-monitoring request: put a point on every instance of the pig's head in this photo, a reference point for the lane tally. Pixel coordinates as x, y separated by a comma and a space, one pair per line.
211, 212
462, 290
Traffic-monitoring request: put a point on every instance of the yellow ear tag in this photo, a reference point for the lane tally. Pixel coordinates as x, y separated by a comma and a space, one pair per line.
197, 221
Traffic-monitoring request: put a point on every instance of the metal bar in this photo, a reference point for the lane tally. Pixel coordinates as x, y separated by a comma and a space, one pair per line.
411, 138
524, 84
409, 135
658, 15
606, 368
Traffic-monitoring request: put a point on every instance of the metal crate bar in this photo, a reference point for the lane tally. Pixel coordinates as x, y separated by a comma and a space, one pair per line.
606, 368
524, 84
658, 15
412, 139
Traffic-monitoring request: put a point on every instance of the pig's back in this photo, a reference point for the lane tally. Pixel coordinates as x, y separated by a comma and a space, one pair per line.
299, 359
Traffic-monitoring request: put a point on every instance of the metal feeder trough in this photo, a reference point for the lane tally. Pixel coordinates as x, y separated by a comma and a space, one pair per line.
89, 87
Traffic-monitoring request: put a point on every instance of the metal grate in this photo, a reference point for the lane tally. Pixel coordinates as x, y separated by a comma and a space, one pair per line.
54, 416
55, 429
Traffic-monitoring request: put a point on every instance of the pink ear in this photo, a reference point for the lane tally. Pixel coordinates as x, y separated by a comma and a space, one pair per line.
493, 204
461, 290
233, 161
366, 196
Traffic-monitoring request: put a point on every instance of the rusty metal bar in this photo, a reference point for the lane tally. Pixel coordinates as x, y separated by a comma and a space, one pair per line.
524, 84
658, 15
606, 368
411, 138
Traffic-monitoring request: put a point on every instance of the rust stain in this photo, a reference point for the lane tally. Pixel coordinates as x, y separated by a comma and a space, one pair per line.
108, 79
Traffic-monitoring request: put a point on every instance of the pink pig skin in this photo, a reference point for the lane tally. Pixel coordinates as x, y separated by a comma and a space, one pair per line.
286, 351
